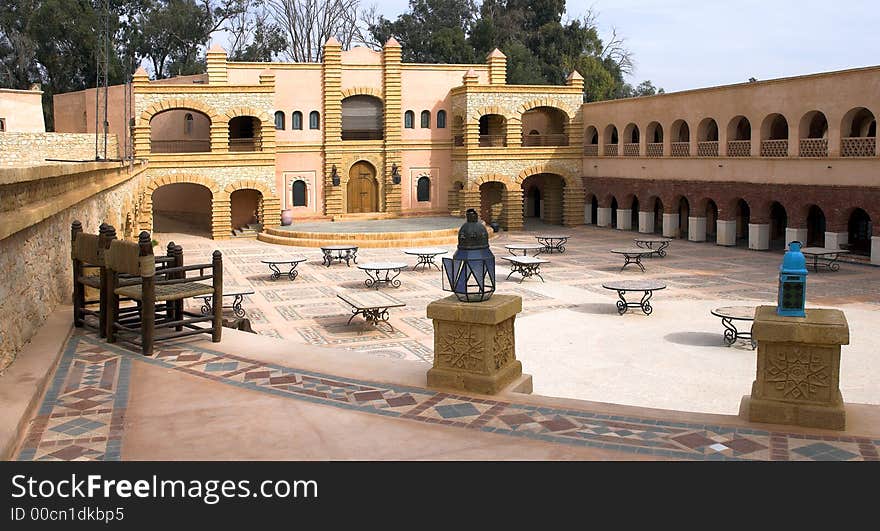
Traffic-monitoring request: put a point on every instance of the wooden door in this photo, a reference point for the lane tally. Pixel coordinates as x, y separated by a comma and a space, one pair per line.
362, 189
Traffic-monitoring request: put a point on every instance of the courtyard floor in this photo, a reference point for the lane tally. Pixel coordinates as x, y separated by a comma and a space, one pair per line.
605, 386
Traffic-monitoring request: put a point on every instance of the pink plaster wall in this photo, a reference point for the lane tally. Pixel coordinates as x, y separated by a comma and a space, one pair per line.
74, 112
22, 110
425, 89
307, 167
437, 164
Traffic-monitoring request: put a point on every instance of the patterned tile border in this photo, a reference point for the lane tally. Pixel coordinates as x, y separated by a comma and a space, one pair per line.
82, 415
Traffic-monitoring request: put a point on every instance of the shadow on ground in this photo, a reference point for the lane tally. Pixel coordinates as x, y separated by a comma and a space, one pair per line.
695, 339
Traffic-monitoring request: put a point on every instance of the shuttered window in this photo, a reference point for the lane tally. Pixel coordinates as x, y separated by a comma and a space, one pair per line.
362, 118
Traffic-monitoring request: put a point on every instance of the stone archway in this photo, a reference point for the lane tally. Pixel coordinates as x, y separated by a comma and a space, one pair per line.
219, 203
268, 204
573, 193
544, 197
362, 189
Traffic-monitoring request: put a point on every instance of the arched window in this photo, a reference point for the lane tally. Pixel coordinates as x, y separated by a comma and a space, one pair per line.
426, 119
296, 120
441, 119
279, 120
314, 120
423, 189
299, 193
188, 124
409, 119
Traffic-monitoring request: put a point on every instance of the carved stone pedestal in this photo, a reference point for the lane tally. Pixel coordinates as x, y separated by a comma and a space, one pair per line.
798, 377
474, 345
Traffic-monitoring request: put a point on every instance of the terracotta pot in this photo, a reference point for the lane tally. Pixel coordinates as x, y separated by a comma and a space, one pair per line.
286, 217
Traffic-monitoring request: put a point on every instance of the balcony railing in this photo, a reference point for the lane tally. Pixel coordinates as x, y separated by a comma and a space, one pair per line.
610, 150
545, 140
813, 147
774, 148
858, 146
739, 148
630, 150
245, 144
493, 141
180, 146
707, 149
681, 149
655, 149
362, 134
591, 150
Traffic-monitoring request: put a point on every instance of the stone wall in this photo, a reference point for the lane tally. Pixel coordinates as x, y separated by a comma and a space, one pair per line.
37, 206
27, 149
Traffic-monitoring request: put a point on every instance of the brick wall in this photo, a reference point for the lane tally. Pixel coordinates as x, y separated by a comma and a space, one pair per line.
24, 149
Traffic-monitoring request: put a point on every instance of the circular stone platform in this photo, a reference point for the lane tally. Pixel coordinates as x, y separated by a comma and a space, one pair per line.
395, 232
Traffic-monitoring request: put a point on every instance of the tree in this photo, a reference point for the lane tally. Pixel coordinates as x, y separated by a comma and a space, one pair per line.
433, 31
253, 34
309, 24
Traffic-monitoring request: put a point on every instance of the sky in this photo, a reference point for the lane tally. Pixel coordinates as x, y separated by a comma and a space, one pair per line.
685, 44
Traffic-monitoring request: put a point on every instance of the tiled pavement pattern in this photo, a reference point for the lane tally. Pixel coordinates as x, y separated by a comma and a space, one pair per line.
308, 311
82, 415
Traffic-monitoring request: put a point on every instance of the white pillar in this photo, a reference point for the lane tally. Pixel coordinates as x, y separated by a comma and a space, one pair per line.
726, 232
603, 216
875, 250
696, 229
588, 214
795, 235
759, 236
670, 225
624, 219
646, 222
833, 240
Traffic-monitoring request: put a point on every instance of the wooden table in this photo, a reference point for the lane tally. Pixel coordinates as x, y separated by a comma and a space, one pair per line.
380, 273
292, 261
526, 266
237, 295
823, 256
553, 242
657, 245
622, 287
426, 256
512, 248
728, 315
373, 305
633, 255
348, 253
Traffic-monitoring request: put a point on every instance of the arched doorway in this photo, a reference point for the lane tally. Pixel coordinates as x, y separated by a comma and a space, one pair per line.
544, 126
743, 217
184, 208
613, 212
815, 227
634, 214
180, 131
594, 209
778, 224
245, 207
859, 230
658, 216
684, 212
543, 197
491, 201
363, 189
245, 134
711, 214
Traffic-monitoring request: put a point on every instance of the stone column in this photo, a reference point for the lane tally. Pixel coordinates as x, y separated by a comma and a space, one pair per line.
795, 235
391, 82
646, 222
670, 225
603, 216
512, 215
726, 230
624, 219
474, 348
332, 85
833, 240
588, 215
696, 229
573, 206
759, 236
798, 369
875, 250
215, 60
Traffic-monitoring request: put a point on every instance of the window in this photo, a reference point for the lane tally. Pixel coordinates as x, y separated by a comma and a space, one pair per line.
299, 193
441, 119
423, 189
188, 124
314, 120
296, 120
409, 119
279, 120
426, 119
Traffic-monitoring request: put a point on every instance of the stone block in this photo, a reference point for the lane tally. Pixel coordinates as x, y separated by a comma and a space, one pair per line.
759, 236
726, 230
624, 219
646, 222
697, 229
670, 225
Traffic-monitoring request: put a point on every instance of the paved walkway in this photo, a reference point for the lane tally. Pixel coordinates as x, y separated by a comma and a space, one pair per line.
191, 401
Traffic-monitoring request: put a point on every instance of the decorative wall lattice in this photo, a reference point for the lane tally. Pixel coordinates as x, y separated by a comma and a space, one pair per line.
858, 146
630, 150
707, 149
591, 150
774, 148
739, 148
681, 149
655, 149
813, 147
610, 150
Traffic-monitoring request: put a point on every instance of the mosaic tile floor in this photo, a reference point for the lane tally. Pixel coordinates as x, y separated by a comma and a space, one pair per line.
82, 415
307, 310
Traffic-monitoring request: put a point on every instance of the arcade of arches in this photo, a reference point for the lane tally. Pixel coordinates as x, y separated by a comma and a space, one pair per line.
543, 196
756, 216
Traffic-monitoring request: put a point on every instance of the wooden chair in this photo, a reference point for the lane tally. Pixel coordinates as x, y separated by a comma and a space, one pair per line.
87, 253
132, 273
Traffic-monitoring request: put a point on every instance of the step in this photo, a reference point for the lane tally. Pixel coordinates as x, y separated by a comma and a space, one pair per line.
361, 236
330, 239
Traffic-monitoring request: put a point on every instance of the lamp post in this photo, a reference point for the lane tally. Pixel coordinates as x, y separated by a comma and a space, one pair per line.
395, 174
792, 297
334, 176
470, 273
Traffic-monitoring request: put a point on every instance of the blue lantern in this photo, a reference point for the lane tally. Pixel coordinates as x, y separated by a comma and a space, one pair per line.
792, 283
470, 273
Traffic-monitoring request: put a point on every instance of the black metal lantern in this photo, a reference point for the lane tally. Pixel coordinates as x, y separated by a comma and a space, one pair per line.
395, 174
334, 176
470, 273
